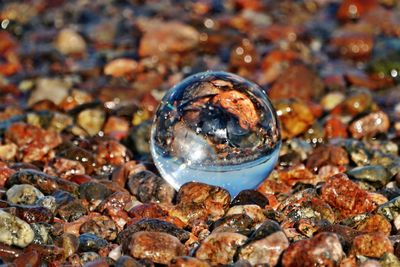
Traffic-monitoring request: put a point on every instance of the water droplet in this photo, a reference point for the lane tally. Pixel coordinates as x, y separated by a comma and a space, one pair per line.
216, 128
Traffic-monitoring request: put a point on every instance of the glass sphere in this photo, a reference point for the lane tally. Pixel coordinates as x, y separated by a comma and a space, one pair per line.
216, 128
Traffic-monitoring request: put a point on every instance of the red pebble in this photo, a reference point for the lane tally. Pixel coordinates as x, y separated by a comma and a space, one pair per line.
346, 196
335, 128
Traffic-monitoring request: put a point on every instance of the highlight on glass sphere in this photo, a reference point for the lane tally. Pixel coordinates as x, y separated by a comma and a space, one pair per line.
216, 128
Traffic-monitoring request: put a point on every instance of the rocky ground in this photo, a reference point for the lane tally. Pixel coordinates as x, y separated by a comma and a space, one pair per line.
79, 84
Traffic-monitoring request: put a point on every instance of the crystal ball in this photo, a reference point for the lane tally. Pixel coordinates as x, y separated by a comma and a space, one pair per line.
216, 128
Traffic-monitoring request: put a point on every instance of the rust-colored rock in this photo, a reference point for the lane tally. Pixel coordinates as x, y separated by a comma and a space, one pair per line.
156, 246
270, 186
324, 249
219, 248
346, 196
353, 45
299, 82
354, 9
215, 199
375, 223
295, 117
298, 174
186, 261
275, 64
373, 245
335, 128
111, 152
161, 38
266, 250
34, 143
373, 123
327, 155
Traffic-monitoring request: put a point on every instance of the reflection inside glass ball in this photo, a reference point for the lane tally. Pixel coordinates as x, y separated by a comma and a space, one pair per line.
216, 128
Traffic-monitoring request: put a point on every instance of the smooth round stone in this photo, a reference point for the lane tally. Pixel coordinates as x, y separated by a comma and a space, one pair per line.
23, 194
14, 231
215, 128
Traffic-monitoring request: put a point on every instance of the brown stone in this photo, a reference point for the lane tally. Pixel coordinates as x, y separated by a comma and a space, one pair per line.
219, 248
346, 196
295, 117
327, 155
353, 9
156, 246
373, 245
375, 223
373, 123
299, 82
266, 250
167, 37
324, 249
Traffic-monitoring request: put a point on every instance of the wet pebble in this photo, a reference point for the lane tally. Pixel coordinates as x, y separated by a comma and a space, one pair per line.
353, 45
372, 173
369, 125
34, 143
152, 225
45, 183
236, 223
331, 100
375, 223
31, 214
91, 120
121, 67
9, 253
101, 226
68, 41
42, 233
116, 127
219, 248
91, 242
94, 192
30, 258
52, 89
127, 261
373, 245
322, 249
253, 211
297, 82
147, 210
64, 168
391, 209
111, 152
72, 210
14, 231
265, 250
346, 196
156, 246
79, 154
87, 257
149, 187
295, 117
187, 261
174, 36
389, 260
69, 243
250, 197
23, 194
327, 155
335, 128
138, 138
215, 199
48, 202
